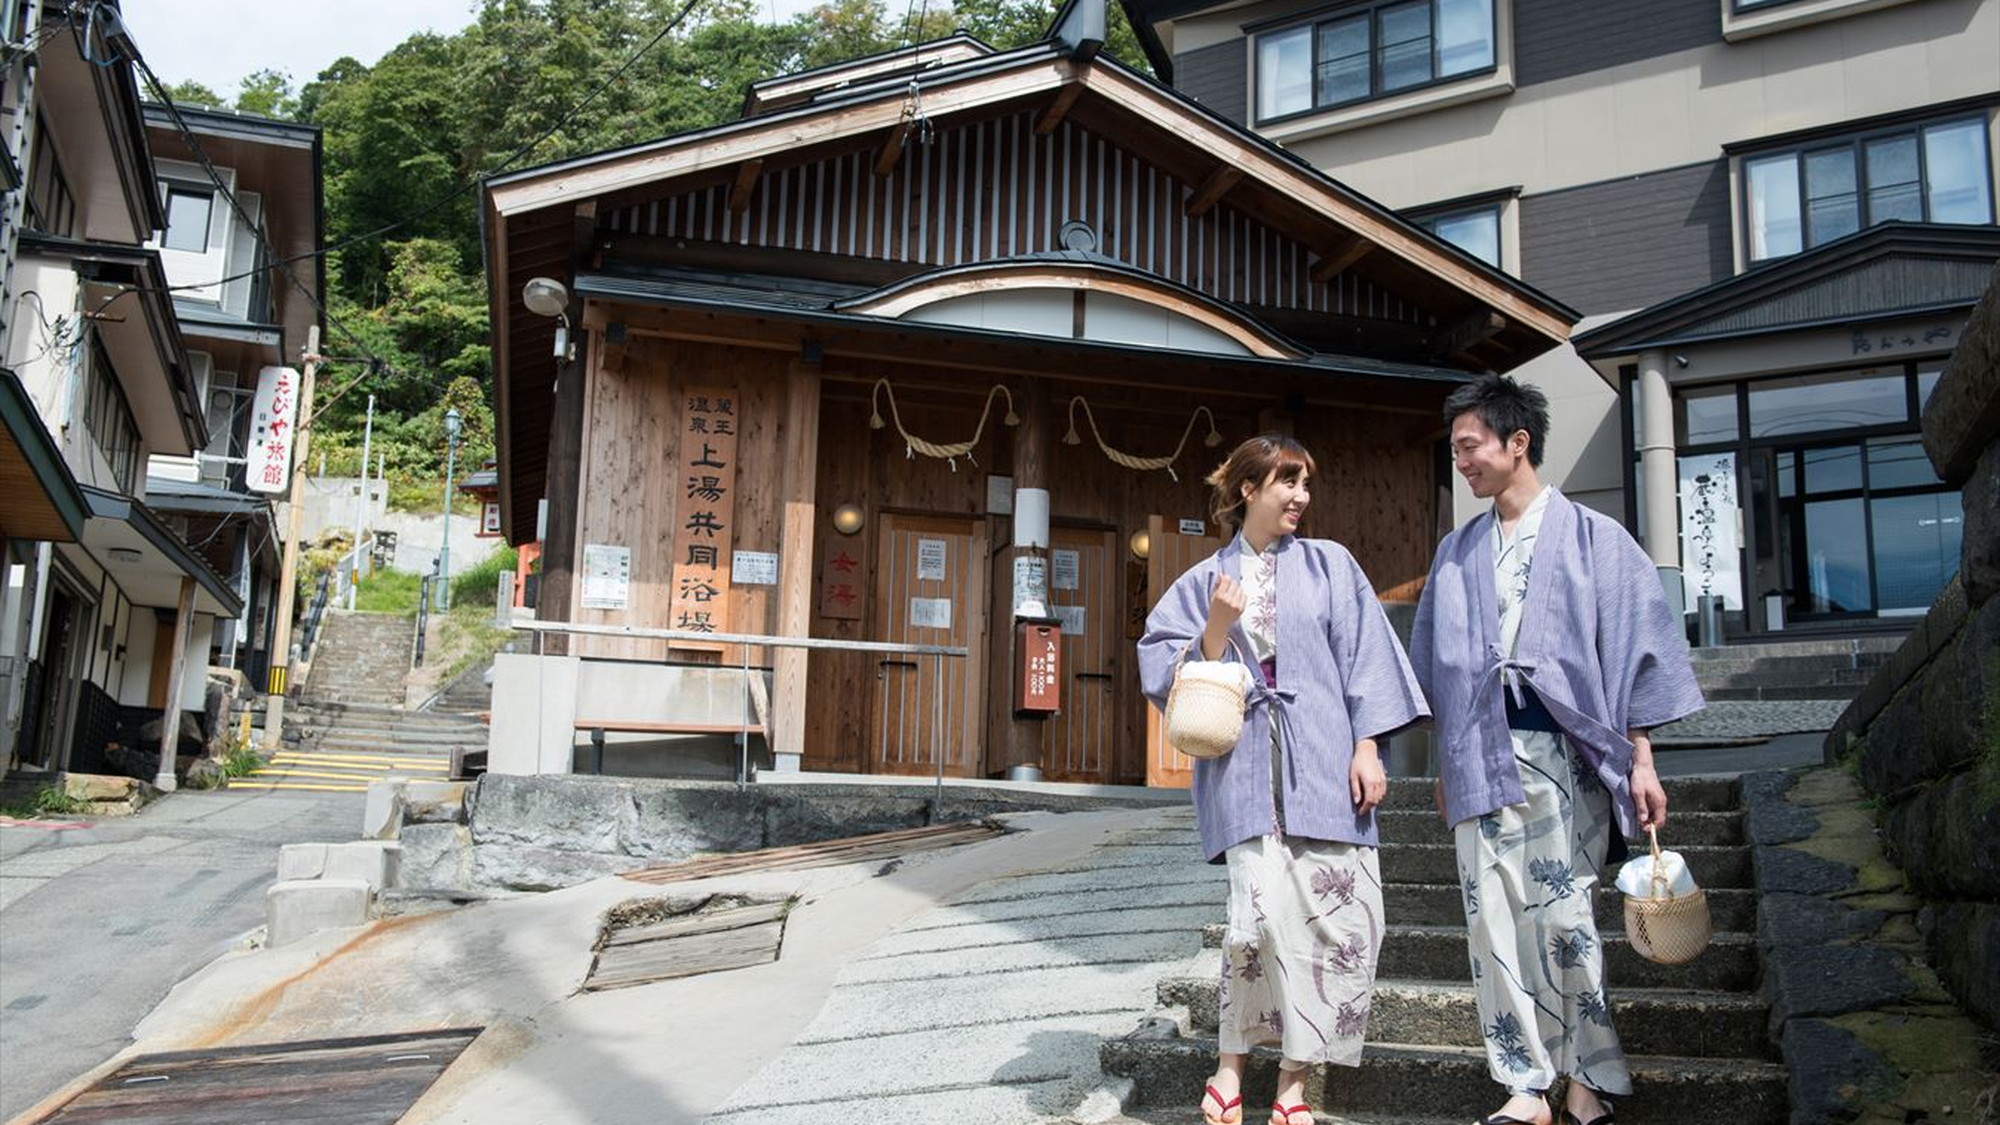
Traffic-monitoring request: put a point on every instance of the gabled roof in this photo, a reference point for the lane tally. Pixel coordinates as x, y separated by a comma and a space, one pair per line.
1892, 270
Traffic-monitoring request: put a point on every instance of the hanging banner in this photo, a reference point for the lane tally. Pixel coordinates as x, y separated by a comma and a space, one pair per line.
273, 420
1711, 519
705, 511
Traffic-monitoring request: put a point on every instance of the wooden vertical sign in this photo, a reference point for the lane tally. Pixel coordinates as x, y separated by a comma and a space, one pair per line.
706, 511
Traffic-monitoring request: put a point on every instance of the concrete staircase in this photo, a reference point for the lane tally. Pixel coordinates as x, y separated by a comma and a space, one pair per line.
362, 730
362, 658
1695, 1034
1791, 670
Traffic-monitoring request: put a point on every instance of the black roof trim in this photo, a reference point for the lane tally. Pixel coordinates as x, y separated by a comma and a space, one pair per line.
117, 506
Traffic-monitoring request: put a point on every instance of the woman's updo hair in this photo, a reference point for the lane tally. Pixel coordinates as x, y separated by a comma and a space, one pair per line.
1252, 463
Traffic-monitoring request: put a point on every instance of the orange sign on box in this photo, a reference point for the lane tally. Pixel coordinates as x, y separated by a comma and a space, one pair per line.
1039, 648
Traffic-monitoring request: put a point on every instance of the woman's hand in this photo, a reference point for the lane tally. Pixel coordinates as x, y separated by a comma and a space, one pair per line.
1649, 797
1367, 781
1225, 607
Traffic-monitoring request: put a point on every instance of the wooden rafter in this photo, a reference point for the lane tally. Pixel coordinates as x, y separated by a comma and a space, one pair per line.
1058, 109
1459, 336
892, 148
746, 180
1213, 189
1332, 265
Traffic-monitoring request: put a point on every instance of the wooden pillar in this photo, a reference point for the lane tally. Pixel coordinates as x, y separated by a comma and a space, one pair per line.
170, 714
795, 564
562, 484
1032, 454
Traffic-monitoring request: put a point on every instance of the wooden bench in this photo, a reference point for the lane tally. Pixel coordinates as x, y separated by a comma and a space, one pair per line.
598, 727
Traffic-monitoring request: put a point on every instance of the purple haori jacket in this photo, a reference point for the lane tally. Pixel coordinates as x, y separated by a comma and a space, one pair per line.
1341, 677
1598, 644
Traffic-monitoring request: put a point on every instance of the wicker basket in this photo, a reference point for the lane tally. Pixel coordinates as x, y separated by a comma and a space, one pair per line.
1666, 928
1204, 716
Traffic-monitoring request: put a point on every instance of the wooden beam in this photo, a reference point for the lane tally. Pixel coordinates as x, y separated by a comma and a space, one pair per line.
1332, 265
1213, 189
170, 713
1058, 109
795, 562
1480, 325
892, 148
746, 179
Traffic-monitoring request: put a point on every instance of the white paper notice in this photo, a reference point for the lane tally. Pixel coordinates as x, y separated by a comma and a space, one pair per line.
1072, 617
930, 560
930, 613
754, 568
607, 576
1064, 566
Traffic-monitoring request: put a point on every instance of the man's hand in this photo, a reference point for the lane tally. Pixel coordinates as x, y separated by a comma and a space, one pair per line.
1367, 781
1225, 606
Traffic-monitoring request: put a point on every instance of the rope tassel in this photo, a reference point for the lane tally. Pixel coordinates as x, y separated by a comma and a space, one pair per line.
913, 445
1143, 464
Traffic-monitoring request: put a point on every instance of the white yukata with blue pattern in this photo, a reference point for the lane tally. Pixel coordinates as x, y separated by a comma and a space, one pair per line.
1529, 875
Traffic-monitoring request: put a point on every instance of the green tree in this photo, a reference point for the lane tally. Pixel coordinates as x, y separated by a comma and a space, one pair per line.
194, 93
267, 93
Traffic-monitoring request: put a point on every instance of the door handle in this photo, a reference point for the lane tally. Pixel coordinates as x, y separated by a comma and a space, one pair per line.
1094, 676
896, 664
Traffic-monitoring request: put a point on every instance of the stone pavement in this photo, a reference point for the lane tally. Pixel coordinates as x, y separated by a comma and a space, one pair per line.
98, 922
1727, 720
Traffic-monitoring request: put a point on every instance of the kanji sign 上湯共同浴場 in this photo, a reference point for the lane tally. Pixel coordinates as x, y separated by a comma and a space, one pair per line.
705, 495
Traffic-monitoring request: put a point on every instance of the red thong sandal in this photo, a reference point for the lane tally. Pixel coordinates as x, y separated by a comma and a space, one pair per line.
1228, 1112
1282, 1114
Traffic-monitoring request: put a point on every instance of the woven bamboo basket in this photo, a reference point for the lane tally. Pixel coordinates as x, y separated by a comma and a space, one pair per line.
1666, 928
1204, 716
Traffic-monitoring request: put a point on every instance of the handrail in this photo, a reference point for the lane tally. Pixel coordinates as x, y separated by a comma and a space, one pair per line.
315, 615
937, 653
423, 620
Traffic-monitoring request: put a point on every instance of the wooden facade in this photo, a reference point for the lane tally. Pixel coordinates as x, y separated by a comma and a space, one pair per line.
1006, 240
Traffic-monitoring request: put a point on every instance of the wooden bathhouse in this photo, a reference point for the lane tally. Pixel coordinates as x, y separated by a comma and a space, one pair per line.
935, 347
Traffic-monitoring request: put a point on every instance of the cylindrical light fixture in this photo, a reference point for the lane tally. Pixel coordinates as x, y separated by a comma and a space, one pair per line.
847, 519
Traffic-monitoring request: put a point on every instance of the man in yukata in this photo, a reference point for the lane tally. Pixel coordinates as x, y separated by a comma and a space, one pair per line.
1547, 648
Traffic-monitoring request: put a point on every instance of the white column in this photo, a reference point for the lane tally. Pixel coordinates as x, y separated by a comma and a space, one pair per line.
1658, 475
170, 717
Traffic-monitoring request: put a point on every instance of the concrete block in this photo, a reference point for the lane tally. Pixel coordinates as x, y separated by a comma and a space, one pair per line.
301, 861
301, 907
375, 862
382, 815
582, 814
436, 857
434, 802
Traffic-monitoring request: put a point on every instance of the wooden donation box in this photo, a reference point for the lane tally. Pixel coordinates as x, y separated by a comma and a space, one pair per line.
1038, 679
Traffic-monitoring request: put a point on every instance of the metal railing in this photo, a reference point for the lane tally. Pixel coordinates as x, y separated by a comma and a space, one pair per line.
745, 641
423, 619
315, 615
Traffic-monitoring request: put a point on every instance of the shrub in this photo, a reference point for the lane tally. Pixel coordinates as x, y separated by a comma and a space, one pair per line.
481, 583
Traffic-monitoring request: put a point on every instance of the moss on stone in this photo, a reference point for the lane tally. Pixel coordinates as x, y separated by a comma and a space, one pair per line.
1827, 786
1939, 1044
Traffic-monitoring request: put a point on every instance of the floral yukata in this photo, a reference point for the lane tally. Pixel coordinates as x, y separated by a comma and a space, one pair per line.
1305, 916
1529, 873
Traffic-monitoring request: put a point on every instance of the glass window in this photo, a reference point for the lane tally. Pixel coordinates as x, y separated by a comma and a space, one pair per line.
1833, 469
1372, 52
1475, 232
1284, 70
1837, 557
1805, 404
1788, 485
1917, 540
1899, 463
1936, 173
1774, 206
1927, 382
187, 219
1705, 415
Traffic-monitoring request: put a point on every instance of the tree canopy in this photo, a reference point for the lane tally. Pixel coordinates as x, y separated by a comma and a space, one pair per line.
528, 82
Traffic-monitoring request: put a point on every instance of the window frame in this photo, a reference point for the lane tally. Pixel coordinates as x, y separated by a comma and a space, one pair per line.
1372, 12
1856, 145
1429, 219
109, 420
168, 190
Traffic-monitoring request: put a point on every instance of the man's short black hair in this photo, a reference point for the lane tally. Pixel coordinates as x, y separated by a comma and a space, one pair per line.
1505, 406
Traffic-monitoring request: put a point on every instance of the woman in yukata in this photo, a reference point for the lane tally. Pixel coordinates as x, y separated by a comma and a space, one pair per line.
1291, 809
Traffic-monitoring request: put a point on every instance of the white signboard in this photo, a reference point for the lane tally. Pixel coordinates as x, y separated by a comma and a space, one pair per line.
930, 560
1031, 587
1711, 520
930, 613
273, 422
754, 568
1072, 617
1000, 496
607, 576
1064, 567
1194, 527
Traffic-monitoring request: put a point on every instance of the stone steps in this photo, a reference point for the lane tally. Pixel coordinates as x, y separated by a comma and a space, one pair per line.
1451, 1082
1684, 829
1438, 863
1650, 1021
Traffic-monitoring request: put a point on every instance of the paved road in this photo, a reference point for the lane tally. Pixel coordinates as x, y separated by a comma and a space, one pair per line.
97, 923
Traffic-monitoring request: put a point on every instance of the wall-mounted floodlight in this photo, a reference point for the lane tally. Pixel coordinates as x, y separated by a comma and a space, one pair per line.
545, 296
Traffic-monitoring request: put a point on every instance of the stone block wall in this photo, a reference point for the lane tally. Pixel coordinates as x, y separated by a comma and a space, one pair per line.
1924, 735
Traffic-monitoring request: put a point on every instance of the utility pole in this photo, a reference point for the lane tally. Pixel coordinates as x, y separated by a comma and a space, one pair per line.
288, 574
361, 503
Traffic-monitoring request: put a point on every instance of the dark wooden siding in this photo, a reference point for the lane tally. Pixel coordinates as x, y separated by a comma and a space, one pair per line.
1626, 244
1560, 38
1217, 77
997, 189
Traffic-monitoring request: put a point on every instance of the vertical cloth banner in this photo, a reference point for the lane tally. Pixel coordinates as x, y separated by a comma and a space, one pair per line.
705, 510
1711, 520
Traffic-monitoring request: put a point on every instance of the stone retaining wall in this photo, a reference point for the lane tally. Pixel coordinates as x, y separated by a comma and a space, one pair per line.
1924, 735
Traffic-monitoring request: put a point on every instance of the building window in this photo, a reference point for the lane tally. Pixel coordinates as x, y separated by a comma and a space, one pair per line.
188, 213
1937, 173
51, 208
1475, 231
109, 419
1369, 52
